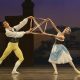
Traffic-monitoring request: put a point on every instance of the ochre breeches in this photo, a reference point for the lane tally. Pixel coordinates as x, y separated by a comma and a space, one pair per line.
12, 47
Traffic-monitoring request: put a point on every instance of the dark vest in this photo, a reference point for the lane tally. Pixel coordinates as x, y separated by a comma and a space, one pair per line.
13, 40
58, 41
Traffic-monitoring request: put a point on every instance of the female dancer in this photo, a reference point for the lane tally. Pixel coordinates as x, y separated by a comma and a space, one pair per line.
59, 53
14, 35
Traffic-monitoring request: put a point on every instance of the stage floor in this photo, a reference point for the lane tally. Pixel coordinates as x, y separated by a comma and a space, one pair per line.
43, 73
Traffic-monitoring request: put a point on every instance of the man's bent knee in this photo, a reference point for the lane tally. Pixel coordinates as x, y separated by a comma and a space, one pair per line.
21, 59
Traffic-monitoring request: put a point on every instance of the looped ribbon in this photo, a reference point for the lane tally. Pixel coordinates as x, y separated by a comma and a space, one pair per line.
38, 25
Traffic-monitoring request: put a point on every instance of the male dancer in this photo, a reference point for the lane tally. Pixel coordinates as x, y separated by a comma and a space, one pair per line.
14, 35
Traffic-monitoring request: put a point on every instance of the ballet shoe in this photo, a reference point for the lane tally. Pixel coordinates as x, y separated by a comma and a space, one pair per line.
55, 73
15, 72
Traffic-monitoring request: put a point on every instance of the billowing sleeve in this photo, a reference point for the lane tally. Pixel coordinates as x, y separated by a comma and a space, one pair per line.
14, 34
21, 24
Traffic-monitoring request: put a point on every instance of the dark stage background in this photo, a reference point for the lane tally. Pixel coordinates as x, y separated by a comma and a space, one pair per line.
36, 49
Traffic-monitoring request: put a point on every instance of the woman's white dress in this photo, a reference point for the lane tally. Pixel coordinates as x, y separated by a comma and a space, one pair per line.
59, 54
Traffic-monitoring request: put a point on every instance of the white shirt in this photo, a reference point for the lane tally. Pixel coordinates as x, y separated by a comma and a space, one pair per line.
14, 34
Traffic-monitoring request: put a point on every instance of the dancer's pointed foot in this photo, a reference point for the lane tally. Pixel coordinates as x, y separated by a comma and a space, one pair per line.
15, 72
55, 73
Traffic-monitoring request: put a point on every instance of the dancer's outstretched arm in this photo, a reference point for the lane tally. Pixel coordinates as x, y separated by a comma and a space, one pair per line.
47, 34
51, 35
22, 23
61, 37
14, 34
53, 24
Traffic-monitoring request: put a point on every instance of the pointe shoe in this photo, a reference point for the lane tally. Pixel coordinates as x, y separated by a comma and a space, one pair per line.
15, 72
55, 73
